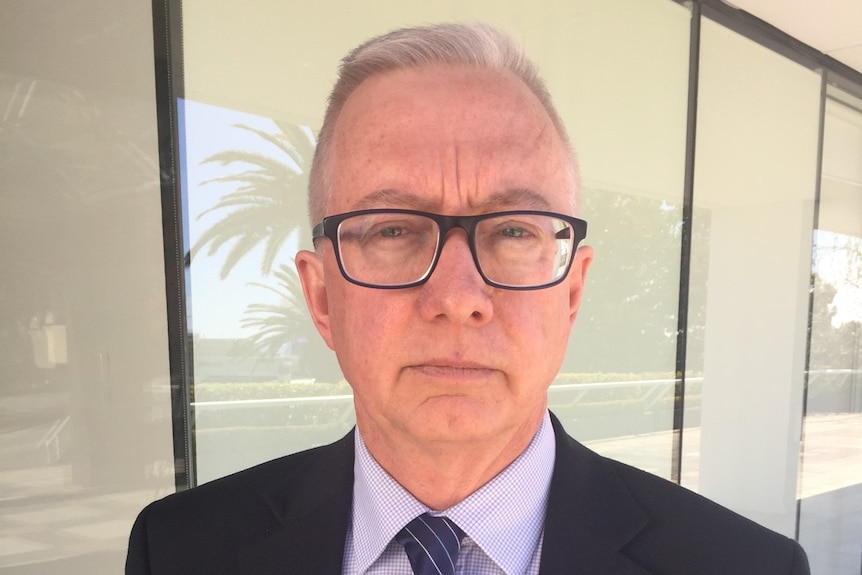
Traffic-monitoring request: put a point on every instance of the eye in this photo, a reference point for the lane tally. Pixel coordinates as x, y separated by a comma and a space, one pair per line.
399, 231
372, 230
516, 229
510, 231
390, 231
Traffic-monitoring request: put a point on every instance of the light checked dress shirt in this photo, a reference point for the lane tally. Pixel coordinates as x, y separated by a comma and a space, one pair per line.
503, 519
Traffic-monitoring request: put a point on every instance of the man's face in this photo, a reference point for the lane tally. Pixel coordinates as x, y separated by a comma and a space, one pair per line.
453, 360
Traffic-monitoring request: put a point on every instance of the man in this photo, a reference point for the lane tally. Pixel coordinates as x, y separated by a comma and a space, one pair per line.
446, 277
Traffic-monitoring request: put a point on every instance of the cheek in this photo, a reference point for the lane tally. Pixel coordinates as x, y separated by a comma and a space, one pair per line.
365, 330
541, 331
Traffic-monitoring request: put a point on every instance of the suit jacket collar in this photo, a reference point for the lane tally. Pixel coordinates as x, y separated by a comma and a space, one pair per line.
591, 514
313, 505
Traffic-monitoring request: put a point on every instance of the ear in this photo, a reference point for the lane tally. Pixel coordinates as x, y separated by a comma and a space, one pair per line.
577, 277
309, 266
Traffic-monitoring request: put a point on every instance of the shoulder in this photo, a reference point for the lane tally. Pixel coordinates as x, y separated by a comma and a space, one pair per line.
670, 528
702, 531
207, 525
244, 492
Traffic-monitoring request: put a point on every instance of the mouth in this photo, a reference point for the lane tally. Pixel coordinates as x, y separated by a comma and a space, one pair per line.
453, 370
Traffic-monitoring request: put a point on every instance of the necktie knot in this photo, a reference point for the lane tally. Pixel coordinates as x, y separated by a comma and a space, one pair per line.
432, 544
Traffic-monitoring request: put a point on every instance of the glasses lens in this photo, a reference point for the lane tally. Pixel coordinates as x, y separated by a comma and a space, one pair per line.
524, 250
392, 249
387, 249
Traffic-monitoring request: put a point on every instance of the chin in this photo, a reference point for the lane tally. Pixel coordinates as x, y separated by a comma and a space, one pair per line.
459, 421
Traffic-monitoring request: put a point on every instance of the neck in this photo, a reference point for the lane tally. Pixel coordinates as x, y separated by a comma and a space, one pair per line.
442, 474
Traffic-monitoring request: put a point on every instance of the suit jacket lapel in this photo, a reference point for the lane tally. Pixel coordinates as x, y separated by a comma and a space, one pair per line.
313, 506
591, 515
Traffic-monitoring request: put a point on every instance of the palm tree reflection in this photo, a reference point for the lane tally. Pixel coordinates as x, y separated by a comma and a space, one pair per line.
267, 207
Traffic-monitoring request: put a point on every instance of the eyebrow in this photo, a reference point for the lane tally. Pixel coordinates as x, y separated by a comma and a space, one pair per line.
392, 198
516, 198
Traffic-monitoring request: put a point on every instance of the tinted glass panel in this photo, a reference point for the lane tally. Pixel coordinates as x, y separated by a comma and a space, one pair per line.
85, 412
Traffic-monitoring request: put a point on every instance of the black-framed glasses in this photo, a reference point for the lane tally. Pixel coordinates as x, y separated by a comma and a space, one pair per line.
393, 248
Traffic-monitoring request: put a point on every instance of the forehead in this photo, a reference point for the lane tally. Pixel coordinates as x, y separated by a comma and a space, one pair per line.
456, 137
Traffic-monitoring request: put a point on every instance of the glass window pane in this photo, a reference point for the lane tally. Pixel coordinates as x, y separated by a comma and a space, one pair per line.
755, 170
85, 411
264, 382
831, 475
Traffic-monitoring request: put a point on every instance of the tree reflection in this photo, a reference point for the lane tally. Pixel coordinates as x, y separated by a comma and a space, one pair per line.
267, 207
268, 204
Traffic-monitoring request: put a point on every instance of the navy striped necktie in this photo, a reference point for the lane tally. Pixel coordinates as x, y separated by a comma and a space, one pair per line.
432, 544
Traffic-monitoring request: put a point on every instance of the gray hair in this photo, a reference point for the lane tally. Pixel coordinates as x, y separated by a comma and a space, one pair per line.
476, 45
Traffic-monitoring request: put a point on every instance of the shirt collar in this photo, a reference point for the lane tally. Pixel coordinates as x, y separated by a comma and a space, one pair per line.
381, 507
504, 517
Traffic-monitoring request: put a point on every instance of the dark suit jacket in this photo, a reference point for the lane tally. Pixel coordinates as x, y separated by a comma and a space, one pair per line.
290, 516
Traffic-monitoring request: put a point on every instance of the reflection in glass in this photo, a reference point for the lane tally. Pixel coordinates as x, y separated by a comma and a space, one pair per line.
85, 413
264, 382
628, 317
831, 475
755, 167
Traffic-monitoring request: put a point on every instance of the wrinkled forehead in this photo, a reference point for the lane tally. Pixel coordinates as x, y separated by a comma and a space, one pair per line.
446, 103
466, 130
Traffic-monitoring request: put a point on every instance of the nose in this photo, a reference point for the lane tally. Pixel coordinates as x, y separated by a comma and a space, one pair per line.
455, 290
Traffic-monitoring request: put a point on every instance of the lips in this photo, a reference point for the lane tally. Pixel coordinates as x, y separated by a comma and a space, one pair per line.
453, 369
